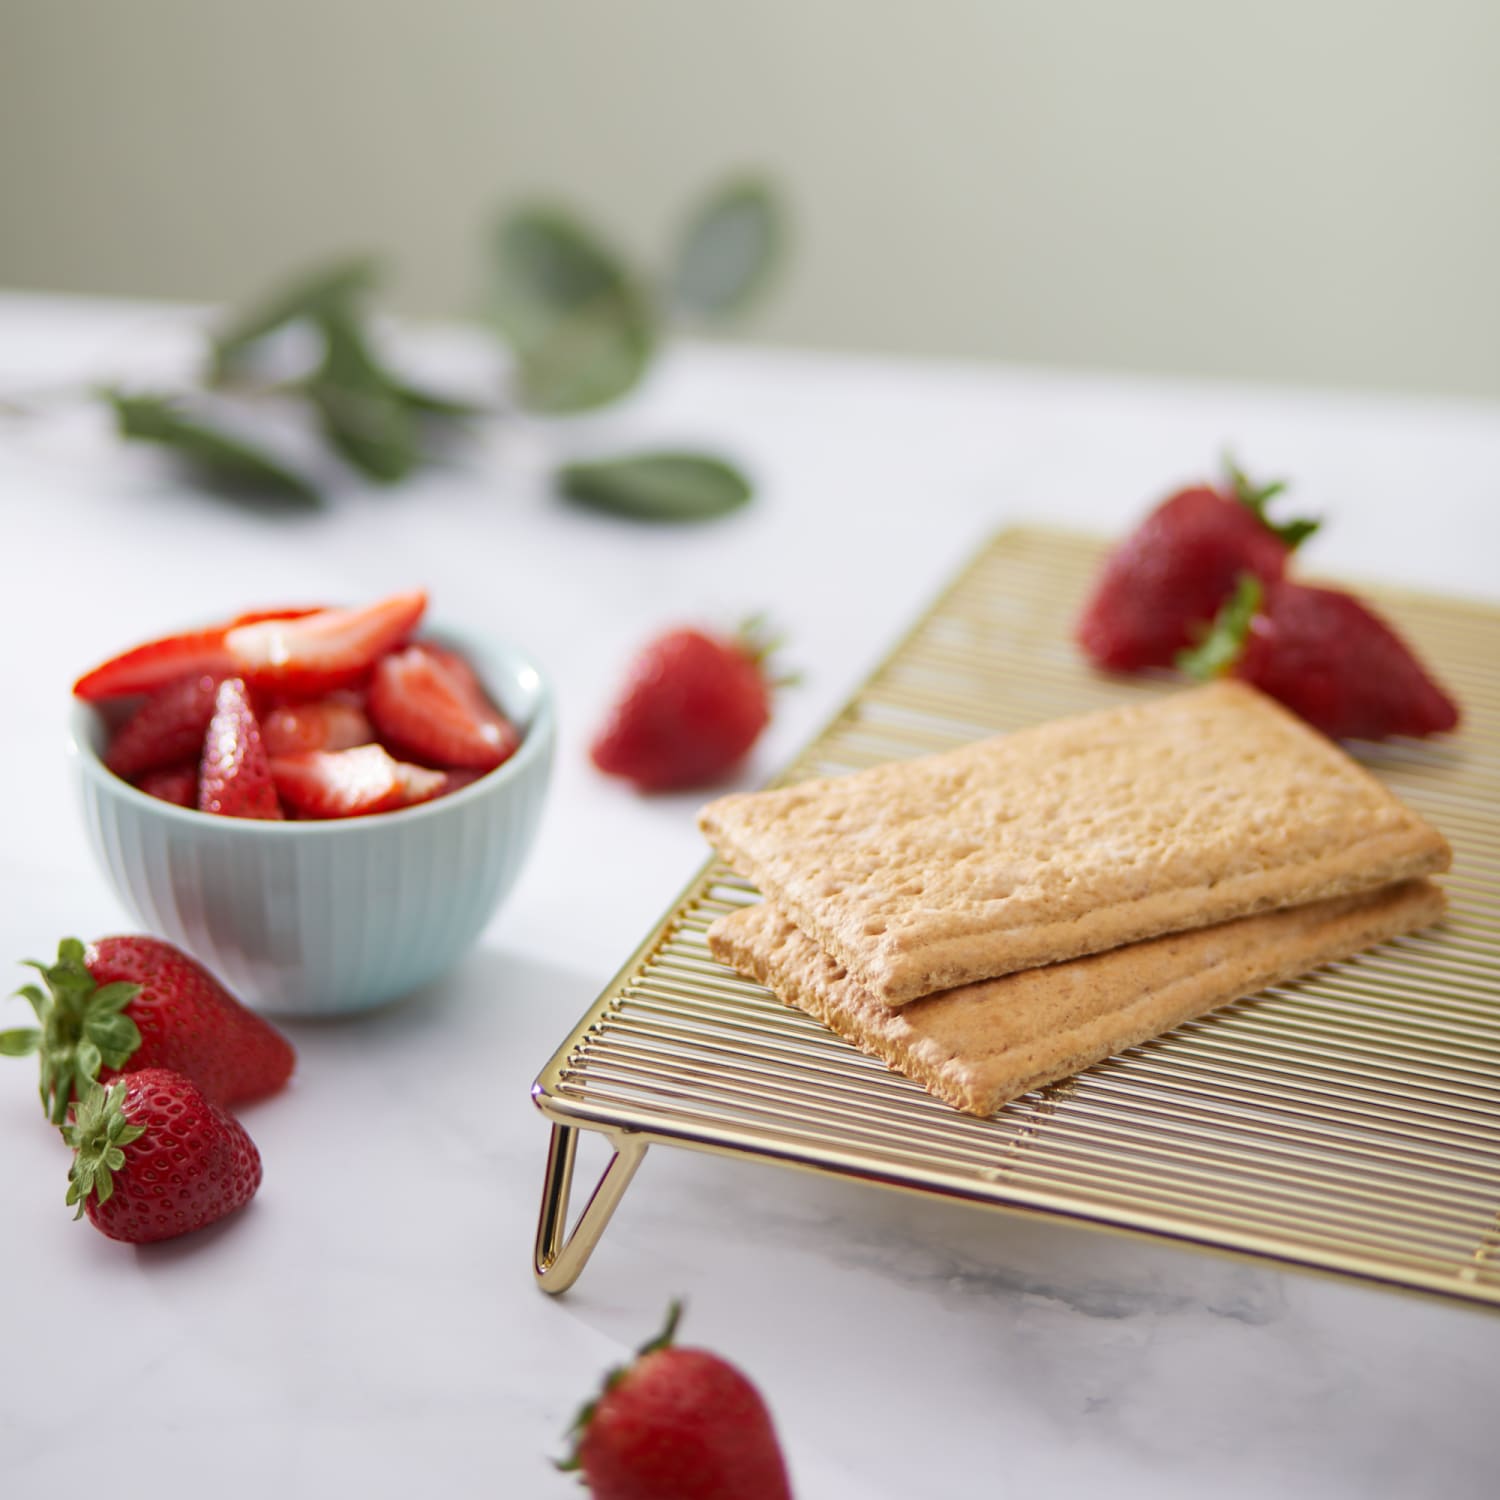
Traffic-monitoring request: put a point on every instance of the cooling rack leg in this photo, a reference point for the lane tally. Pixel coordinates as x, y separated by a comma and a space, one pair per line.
559, 1257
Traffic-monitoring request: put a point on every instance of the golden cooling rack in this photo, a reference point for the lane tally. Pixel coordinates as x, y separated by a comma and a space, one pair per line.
1348, 1122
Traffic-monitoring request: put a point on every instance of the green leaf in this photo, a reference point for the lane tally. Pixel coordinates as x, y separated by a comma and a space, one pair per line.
1258, 496
662, 486
20, 1042
225, 460
116, 1037
360, 406
328, 287
580, 326
1223, 642
729, 249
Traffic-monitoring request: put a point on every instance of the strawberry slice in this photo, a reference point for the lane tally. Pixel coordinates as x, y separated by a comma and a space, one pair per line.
286, 612
234, 779
323, 724
153, 665
429, 705
166, 729
351, 783
177, 784
313, 654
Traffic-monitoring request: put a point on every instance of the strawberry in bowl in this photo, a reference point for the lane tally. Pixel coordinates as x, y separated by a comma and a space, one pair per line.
325, 806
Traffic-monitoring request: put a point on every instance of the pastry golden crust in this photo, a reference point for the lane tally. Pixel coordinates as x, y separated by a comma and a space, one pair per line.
1073, 837
981, 1044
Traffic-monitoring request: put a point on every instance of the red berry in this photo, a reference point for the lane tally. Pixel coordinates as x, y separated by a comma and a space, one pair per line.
145, 668
177, 784
428, 705
128, 1003
324, 724
352, 783
692, 706
166, 729
234, 777
1335, 662
155, 1157
1175, 570
679, 1424
311, 655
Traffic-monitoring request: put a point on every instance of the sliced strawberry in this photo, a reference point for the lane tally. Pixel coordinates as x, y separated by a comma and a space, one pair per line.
286, 612
351, 783
313, 654
429, 705
456, 781
336, 723
146, 668
177, 784
166, 729
234, 779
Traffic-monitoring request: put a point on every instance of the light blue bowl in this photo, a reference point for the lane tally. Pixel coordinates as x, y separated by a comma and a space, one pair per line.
325, 918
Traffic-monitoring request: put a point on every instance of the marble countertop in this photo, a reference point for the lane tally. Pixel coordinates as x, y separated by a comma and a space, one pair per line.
369, 1326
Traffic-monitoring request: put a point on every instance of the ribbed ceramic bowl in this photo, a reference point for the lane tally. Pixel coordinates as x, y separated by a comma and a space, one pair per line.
325, 918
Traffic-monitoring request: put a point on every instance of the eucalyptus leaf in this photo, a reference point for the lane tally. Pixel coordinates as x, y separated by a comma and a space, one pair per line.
312, 295
580, 326
661, 486
359, 405
728, 249
224, 458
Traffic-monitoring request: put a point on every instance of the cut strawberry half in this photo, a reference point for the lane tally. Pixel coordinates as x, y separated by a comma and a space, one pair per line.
155, 664
351, 783
428, 704
311, 655
167, 729
323, 724
234, 778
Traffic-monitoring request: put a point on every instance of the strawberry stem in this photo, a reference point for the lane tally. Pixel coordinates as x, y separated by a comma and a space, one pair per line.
83, 1027
1223, 642
1257, 497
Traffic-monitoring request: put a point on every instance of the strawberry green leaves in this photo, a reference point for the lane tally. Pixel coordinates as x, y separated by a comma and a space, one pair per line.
99, 1133
662, 486
83, 1028
1257, 497
1223, 642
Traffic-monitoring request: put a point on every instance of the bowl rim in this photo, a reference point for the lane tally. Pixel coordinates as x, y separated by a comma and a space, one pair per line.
536, 741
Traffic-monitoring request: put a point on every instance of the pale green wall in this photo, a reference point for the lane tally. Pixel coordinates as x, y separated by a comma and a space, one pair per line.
1300, 191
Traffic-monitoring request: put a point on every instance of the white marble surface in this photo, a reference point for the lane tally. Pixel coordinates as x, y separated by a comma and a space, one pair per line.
369, 1326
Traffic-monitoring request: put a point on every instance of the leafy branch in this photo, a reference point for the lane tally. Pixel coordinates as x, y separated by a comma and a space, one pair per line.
582, 326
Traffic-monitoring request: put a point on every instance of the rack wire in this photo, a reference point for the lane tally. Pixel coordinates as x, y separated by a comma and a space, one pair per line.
1348, 1122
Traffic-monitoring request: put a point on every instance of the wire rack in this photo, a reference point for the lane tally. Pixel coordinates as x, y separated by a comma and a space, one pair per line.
1348, 1122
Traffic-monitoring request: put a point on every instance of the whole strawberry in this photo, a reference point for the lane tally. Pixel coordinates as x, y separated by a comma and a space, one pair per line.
1178, 567
678, 1424
138, 1002
692, 706
1327, 657
154, 1157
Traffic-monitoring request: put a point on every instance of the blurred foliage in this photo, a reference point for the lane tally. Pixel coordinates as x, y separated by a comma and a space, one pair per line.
581, 326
